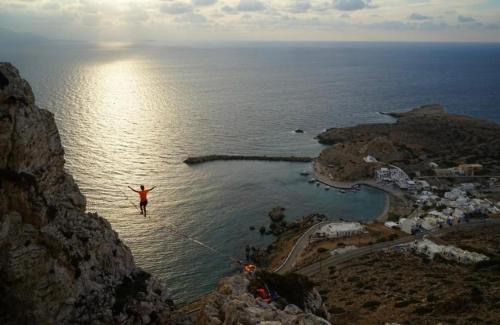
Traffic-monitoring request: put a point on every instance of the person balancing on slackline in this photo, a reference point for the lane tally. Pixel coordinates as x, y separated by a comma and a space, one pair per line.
143, 194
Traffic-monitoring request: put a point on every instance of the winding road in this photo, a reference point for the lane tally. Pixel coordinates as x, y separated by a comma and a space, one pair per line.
297, 249
338, 259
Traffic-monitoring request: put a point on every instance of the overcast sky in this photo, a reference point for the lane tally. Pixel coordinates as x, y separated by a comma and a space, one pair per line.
217, 20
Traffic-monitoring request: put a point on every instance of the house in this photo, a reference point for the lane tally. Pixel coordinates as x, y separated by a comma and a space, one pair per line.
340, 229
431, 249
383, 174
433, 165
409, 226
391, 224
370, 159
469, 169
396, 175
423, 185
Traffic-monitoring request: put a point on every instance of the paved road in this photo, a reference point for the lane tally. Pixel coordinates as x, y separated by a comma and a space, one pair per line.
297, 249
334, 260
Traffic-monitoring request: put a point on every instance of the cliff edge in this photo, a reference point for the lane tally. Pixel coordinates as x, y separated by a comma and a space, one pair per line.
58, 264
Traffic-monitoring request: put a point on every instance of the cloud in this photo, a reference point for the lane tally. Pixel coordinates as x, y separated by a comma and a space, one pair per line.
250, 5
203, 3
416, 16
176, 8
135, 15
300, 6
229, 10
50, 6
351, 5
191, 18
464, 19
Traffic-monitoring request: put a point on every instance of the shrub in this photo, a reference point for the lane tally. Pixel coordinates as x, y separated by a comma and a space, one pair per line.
393, 237
337, 310
405, 303
372, 304
322, 250
422, 310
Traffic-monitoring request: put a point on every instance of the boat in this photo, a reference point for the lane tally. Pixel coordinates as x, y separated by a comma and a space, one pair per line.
311, 181
317, 183
327, 188
304, 173
341, 191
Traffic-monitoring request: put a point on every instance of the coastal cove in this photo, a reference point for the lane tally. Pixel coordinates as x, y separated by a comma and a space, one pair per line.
129, 117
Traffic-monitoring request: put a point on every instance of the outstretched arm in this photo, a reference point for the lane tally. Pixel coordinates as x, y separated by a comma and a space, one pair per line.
133, 189
152, 188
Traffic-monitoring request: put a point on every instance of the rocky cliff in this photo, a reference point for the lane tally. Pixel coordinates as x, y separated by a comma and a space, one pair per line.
232, 303
61, 265
58, 264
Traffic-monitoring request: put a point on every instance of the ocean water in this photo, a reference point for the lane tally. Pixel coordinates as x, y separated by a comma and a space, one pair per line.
130, 115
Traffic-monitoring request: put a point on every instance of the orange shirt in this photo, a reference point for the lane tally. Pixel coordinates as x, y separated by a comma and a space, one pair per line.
143, 195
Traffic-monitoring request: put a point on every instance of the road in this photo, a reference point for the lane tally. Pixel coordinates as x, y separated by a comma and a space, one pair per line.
337, 259
297, 249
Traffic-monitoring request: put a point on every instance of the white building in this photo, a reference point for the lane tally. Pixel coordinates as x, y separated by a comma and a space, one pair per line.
391, 224
433, 165
370, 159
423, 185
409, 225
396, 175
340, 229
430, 249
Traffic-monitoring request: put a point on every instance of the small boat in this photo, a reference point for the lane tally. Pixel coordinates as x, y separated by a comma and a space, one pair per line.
327, 188
341, 191
311, 181
304, 173
317, 184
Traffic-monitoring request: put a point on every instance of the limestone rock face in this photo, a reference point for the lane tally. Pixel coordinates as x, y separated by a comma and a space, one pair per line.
233, 304
58, 264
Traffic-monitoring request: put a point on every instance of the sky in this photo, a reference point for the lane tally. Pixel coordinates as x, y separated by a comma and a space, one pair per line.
255, 20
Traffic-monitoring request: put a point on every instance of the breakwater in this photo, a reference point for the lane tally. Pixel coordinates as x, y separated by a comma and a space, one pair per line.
203, 159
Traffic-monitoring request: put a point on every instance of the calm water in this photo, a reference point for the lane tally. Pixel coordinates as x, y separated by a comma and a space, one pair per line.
129, 116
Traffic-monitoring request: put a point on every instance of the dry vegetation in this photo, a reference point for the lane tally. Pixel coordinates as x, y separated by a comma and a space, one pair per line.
419, 137
409, 289
376, 232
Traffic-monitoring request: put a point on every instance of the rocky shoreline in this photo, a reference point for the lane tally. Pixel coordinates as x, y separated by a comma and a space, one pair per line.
208, 158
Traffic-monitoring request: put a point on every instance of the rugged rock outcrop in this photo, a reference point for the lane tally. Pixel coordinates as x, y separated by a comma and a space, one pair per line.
232, 303
58, 264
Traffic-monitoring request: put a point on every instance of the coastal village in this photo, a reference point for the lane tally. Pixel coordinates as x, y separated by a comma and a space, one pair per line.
433, 206
406, 268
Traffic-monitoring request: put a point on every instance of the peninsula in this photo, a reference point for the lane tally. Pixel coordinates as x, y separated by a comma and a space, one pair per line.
425, 141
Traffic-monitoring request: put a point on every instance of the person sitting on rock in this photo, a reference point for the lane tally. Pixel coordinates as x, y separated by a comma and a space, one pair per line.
143, 194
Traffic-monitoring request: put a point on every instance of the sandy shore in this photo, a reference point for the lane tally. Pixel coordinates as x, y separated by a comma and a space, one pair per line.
321, 177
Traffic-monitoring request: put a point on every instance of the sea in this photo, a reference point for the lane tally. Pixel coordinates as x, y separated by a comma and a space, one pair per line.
129, 114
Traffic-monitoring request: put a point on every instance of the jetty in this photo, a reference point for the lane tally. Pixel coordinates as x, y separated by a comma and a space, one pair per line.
203, 159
